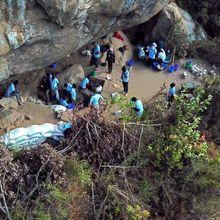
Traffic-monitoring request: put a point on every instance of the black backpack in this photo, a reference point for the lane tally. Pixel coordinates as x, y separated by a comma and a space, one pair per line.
111, 56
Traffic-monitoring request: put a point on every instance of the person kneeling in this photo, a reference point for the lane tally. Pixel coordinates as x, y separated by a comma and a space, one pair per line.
64, 103
139, 109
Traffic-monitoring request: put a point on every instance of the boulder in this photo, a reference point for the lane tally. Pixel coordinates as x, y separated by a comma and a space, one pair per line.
36, 33
175, 22
119, 58
8, 103
73, 74
10, 119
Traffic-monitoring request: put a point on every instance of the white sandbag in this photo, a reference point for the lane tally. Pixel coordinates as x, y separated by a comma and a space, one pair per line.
47, 135
34, 130
58, 108
35, 141
47, 127
56, 129
58, 134
57, 138
17, 133
15, 136
34, 135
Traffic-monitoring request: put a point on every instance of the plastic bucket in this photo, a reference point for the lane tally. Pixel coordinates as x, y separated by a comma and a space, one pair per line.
171, 69
93, 73
189, 65
130, 62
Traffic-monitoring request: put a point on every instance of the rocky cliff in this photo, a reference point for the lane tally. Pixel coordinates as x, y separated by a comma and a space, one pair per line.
35, 33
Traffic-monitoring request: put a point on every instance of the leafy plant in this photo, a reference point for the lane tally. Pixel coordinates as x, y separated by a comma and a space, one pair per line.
137, 213
79, 171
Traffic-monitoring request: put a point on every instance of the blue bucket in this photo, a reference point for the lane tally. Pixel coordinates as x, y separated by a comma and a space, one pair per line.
171, 69
54, 65
130, 62
71, 106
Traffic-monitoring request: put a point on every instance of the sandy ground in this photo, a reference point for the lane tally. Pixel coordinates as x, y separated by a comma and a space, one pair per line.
38, 114
144, 84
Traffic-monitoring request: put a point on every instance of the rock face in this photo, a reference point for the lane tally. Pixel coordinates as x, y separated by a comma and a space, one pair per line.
35, 33
175, 21
10, 119
8, 103
73, 74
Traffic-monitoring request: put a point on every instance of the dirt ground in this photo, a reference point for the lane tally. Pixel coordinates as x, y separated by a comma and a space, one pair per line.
144, 84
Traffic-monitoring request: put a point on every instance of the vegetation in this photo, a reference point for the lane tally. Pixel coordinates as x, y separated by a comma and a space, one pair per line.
162, 166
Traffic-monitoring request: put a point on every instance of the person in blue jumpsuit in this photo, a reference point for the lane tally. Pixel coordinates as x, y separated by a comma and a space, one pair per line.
95, 100
138, 108
12, 90
84, 83
96, 54
73, 93
152, 52
55, 87
171, 93
125, 79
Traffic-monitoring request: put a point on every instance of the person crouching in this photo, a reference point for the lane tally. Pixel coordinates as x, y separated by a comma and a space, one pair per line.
138, 108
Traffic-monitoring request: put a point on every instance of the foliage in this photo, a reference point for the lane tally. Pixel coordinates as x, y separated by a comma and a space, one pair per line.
79, 171
54, 205
130, 170
136, 213
124, 105
181, 141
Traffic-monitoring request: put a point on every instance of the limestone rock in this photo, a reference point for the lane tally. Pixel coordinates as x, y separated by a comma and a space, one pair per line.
8, 103
35, 33
73, 74
174, 20
10, 119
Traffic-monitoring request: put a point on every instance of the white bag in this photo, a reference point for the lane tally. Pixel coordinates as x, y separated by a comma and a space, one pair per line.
58, 108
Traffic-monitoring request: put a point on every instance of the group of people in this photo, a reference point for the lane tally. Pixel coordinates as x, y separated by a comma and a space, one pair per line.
154, 58
96, 54
67, 95
125, 73
50, 87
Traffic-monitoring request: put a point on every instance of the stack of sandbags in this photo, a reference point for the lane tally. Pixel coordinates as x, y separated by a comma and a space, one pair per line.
33, 135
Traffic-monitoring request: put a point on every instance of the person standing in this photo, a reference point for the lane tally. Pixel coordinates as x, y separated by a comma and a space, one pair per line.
54, 87
73, 93
96, 54
110, 58
171, 93
125, 79
12, 90
66, 89
139, 109
45, 87
161, 57
84, 83
152, 51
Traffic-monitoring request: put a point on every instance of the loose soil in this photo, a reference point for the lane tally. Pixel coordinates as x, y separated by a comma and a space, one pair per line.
144, 84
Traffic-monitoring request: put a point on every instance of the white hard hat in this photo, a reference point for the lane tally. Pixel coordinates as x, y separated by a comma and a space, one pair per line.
154, 44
